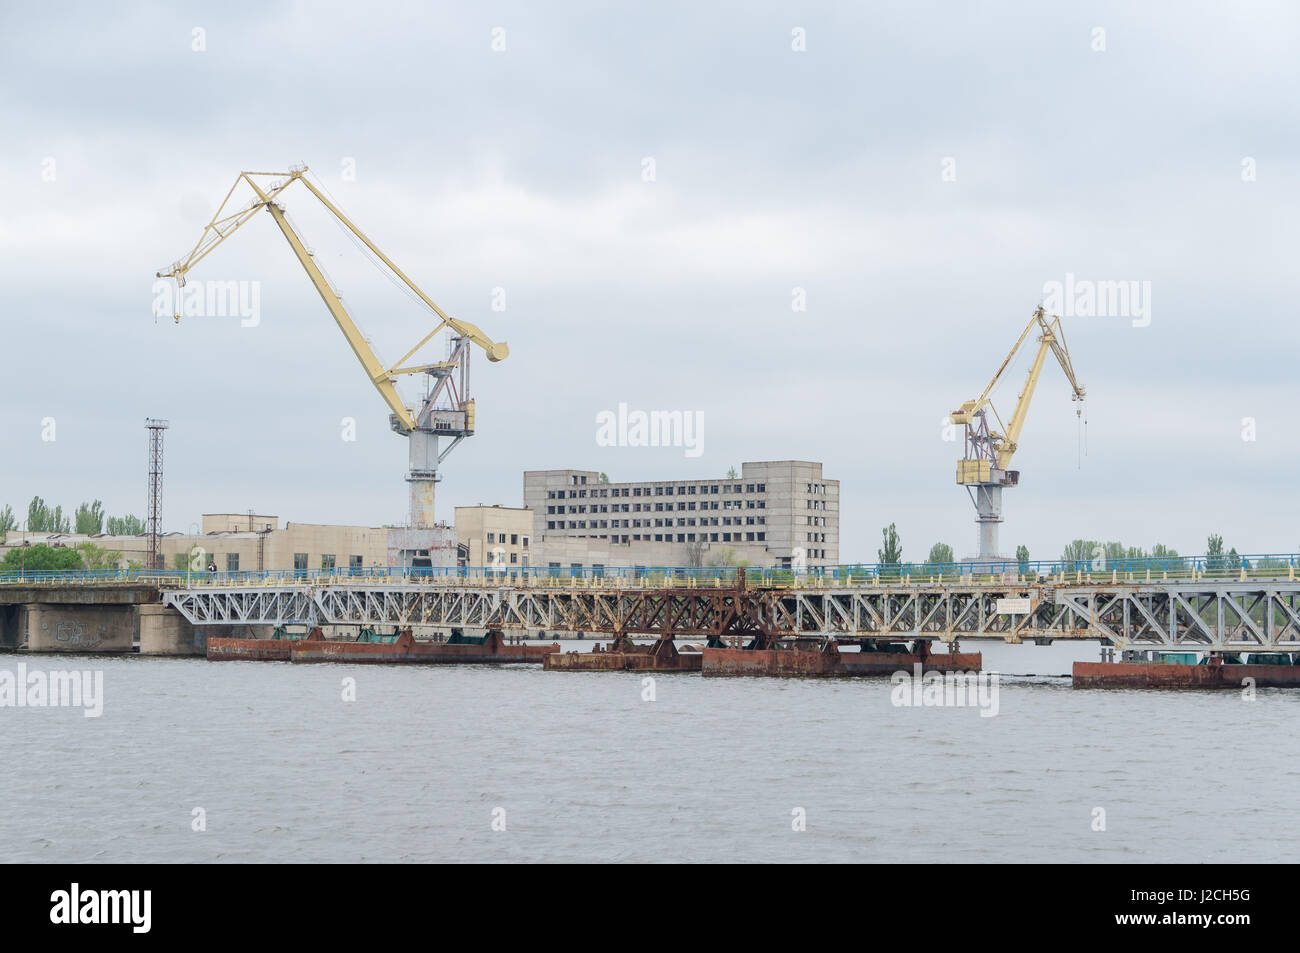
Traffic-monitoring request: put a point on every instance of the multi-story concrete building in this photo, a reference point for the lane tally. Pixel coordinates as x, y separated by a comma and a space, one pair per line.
776, 513
496, 536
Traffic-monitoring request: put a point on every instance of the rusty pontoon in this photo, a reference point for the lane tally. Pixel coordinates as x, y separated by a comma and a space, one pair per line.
403, 647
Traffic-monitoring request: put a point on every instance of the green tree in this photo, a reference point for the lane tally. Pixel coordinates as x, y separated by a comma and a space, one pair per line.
603, 478
727, 557
89, 518
7, 520
38, 515
41, 558
1081, 551
97, 557
125, 526
1214, 552
891, 551
1117, 551
1161, 551
1022, 558
42, 519
732, 474
940, 555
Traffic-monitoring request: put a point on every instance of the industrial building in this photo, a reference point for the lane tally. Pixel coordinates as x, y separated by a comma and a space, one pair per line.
775, 513
495, 536
242, 542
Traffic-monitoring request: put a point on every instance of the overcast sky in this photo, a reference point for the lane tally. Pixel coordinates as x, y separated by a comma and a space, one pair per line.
920, 170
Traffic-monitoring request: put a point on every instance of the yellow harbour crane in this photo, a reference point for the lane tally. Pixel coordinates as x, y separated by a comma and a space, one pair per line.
986, 464
446, 411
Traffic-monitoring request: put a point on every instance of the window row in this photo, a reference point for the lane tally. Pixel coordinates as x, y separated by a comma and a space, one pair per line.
683, 506
637, 524
501, 538
689, 489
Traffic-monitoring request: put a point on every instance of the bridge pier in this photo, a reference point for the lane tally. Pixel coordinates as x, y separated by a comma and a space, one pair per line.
164, 631
41, 627
77, 628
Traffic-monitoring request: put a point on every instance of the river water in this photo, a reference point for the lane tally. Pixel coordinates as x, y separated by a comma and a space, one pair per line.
428, 760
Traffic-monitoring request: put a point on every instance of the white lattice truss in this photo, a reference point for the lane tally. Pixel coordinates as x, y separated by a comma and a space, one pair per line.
1197, 616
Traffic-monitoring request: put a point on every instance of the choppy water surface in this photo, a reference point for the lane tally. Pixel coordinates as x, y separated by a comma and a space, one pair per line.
586, 770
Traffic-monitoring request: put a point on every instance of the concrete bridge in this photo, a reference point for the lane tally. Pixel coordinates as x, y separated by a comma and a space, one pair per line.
1199, 608
90, 615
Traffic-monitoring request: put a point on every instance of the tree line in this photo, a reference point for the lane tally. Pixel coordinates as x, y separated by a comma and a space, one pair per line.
89, 519
1086, 551
43, 558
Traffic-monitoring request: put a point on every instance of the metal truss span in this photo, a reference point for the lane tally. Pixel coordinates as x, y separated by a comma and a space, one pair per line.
1191, 616
1188, 615
260, 606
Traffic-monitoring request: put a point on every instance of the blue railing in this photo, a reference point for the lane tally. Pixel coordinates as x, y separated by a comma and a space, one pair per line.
1267, 564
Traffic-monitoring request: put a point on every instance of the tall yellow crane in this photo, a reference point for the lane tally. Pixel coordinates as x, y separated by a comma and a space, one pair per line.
446, 411
986, 464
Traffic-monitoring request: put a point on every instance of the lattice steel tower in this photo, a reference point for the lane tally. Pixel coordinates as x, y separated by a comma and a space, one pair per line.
155, 428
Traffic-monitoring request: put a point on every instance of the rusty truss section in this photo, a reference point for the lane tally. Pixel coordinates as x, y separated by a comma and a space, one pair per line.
1192, 616
651, 612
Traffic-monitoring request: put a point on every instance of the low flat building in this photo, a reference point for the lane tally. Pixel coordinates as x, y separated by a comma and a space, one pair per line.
236, 542
775, 513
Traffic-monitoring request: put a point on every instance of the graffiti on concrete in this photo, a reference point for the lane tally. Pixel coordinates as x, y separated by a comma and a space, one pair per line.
67, 632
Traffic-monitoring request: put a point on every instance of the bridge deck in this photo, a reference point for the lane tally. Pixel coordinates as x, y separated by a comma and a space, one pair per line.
1203, 614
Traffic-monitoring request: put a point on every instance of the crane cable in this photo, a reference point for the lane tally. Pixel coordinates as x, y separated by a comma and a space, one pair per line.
1009, 373
370, 255
333, 285
375, 262
1081, 415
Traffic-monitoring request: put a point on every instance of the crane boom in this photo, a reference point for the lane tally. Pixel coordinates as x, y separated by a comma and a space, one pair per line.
454, 418
970, 407
1053, 338
224, 225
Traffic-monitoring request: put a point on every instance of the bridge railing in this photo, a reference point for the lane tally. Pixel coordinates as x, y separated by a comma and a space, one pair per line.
145, 577
1003, 571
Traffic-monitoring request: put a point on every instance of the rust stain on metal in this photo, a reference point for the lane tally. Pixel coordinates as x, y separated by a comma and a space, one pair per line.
807, 658
251, 650
407, 649
316, 648
1158, 675
623, 655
